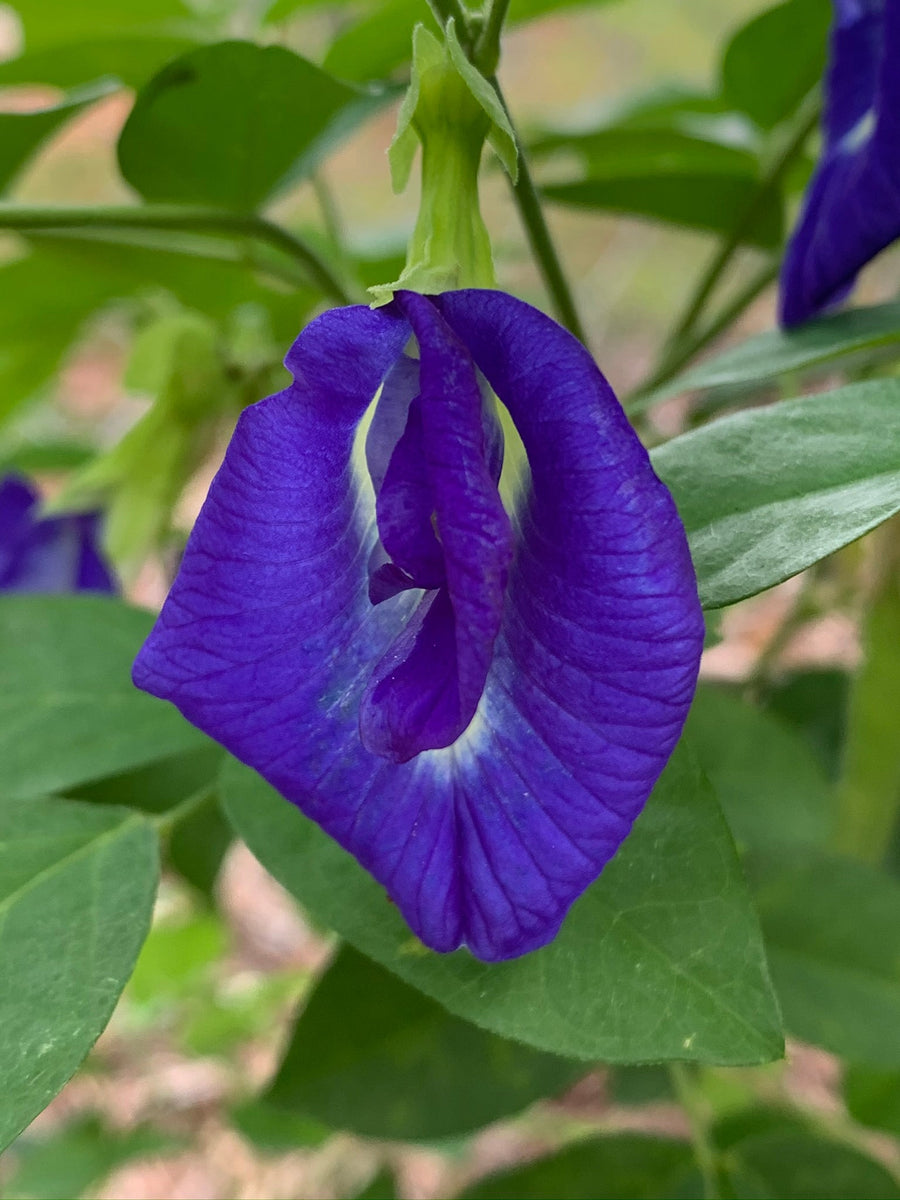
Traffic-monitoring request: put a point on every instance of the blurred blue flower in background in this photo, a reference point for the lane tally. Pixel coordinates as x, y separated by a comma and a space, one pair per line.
852, 206
51, 554
476, 705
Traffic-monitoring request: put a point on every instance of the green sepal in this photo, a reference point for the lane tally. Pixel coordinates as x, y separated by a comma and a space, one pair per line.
430, 55
500, 135
451, 110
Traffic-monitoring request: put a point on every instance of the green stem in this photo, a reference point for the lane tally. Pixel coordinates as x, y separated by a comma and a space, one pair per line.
539, 239
166, 821
331, 219
868, 792
704, 1151
455, 10
486, 55
806, 121
644, 396
525, 193
181, 218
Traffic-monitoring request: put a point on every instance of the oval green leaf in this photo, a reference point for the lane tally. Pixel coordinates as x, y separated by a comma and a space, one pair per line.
670, 917
857, 336
131, 59
768, 781
832, 932
626, 1167
56, 22
372, 1055
796, 1165
23, 133
227, 124
765, 494
69, 712
77, 885
712, 203
774, 60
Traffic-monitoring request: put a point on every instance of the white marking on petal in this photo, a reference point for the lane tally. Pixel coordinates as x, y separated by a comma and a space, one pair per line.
855, 138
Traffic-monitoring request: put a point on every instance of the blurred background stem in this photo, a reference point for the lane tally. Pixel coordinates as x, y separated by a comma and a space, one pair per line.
179, 218
680, 346
869, 784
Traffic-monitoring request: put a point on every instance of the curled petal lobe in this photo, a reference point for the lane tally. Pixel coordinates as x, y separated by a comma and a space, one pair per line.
851, 210
481, 740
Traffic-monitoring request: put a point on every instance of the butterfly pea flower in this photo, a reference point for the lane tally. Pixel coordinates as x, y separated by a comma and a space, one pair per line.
50, 554
851, 210
475, 700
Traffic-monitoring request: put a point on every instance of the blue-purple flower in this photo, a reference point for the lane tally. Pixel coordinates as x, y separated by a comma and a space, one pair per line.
476, 705
50, 554
852, 206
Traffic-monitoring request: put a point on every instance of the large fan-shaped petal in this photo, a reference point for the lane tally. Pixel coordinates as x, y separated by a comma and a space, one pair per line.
269, 640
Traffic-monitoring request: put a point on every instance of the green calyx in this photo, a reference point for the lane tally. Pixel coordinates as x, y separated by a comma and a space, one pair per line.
451, 110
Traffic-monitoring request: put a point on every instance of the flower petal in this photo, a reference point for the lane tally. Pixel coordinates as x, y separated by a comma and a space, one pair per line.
17, 500
405, 504
852, 206
52, 554
472, 524
268, 639
441, 465
596, 665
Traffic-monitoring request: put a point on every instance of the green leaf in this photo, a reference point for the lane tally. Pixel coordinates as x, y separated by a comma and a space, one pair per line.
198, 846
33, 457
814, 703
23, 133
57, 22
69, 712
382, 1187
77, 885
379, 42
129, 59
873, 1097
640, 1085
669, 917
227, 124
43, 305
769, 784
708, 201
275, 1130
624, 1167
82, 1153
214, 275
774, 60
832, 933
372, 1055
47, 297
796, 1166
821, 345
158, 787
611, 151
766, 493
